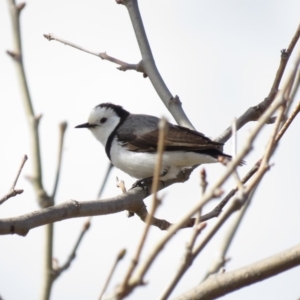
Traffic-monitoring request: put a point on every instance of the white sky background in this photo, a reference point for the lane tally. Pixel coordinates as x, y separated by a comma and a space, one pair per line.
220, 57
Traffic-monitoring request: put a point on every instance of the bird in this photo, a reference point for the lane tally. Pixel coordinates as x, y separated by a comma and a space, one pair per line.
130, 142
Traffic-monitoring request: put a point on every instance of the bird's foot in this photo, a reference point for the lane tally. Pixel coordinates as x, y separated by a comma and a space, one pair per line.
146, 183
143, 183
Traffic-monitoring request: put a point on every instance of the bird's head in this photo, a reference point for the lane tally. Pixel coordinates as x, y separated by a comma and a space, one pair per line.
103, 120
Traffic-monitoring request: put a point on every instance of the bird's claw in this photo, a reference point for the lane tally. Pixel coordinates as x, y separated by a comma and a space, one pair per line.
143, 183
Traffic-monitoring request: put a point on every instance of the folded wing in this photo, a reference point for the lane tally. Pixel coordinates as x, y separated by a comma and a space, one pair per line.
178, 139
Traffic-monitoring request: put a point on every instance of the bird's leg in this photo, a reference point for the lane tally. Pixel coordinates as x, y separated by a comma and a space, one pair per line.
143, 182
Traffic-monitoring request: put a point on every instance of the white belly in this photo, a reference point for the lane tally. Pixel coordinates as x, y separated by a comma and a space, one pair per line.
141, 165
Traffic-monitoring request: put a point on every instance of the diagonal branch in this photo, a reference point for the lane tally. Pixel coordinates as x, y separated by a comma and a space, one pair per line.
222, 284
172, 103
119, 257
62, 130
123, 66
253, 113
103, 184
218, 209
279, 101
59, 270
13, 192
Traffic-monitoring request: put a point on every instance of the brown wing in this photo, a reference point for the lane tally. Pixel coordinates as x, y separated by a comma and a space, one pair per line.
178, 138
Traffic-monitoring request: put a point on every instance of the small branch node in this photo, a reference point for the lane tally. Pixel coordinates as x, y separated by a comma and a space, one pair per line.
175, 101
87, 225
121, 184
203, 181
37, 119
20, 6
284, 54
49, 36
121, 254
218, 193
14, 55
63, 126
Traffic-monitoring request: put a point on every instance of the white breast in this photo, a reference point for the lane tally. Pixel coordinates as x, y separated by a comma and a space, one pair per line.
141, 165
136, 164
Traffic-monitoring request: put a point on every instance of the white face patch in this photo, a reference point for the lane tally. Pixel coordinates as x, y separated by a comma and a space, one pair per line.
105, 120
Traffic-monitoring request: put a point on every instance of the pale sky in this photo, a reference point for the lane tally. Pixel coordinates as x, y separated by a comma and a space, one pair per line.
220, 58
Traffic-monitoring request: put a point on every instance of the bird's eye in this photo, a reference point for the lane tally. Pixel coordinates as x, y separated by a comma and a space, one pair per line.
103, 120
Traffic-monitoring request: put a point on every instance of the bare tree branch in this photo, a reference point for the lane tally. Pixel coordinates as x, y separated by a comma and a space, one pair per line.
57, 271
172, 103
71, 209
123, 66
147, 66
161, 223
33, 120
12, 191
222, 284
120, 256
279, 101
103, 184
288, 122
221, 259
236, 204
62, 130
253, 113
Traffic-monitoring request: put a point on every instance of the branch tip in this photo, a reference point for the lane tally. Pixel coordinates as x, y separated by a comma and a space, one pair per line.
20, 6
49, 36
175, 101
121, 254
284, 54
87, 225
63, 126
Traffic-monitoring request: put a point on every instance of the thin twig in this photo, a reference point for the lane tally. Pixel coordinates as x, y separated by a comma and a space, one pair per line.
108, 170
186, 261
59, 270
220, 260
32, 118
293, 93
253, 113
13, 192
234, 145
162, 224
155, 187
103, 55
121, 185
287, 123
62, 130
117, 260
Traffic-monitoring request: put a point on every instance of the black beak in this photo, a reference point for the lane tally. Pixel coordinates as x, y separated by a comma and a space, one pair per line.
85, 125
